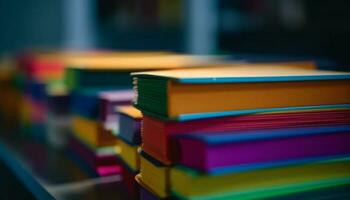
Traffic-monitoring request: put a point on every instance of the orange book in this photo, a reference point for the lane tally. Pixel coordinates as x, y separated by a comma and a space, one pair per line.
92, 133
190, 93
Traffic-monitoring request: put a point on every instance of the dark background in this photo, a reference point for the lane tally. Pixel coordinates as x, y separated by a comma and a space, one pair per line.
281, 27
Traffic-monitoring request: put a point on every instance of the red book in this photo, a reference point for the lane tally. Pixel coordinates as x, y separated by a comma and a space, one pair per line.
158, 140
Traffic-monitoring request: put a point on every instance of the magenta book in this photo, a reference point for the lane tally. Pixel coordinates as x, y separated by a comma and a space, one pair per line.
210, 152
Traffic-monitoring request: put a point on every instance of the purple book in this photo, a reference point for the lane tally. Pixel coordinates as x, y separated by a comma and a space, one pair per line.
238, 150
108, 103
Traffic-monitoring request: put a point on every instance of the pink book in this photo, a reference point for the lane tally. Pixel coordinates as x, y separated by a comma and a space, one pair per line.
103, 161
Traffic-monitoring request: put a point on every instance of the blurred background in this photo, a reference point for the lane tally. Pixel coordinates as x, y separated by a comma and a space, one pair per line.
265, 27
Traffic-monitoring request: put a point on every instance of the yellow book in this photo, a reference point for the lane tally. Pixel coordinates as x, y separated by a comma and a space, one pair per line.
181, 92
188, 183
154, 176
92, 133
129, 154
137, 61
153, 60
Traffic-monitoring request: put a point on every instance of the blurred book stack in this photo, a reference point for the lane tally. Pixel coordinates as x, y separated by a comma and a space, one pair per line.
42, 107
97, 86
37, 95
38, 72
92, 143
243, 132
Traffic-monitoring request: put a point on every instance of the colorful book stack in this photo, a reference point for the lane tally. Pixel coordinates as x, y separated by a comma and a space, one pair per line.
129, 142
97, 85
37, 71
44, 112
243, 132
92, 142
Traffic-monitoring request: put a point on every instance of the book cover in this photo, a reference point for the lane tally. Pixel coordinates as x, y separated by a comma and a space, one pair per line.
173, 94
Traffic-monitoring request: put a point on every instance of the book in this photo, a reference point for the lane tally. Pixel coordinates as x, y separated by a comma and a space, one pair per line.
239, 151
159, 136
286, 192
92, 133
108, 101
42, 66
263, 183
129, 154
38, 71
50, 65
114, 71
101, 160
94, 104
129, 124
154, 176
173, 94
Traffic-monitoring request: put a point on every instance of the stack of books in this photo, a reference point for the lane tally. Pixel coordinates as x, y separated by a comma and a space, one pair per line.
243, 132
99, 84
36, 72
129, 142
91, 141
44, 110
